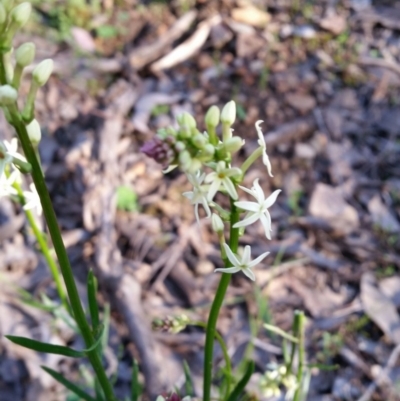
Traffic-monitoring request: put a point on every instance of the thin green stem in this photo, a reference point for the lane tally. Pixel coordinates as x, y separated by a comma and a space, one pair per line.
216, 306
3, 73
45, 250
299, 315
224, 349
250, 160
66, 270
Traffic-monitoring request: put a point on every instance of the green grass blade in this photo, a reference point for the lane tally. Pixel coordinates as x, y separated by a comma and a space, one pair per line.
45, 347
188, 379
92, 301
243, 382
69, 385
136, 388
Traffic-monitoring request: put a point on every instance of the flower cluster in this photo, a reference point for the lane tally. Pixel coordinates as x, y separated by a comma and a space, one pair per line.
275, 377
206, 158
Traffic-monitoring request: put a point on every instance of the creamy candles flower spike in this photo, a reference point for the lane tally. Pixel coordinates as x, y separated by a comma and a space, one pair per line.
221, 177
199, 194
257, 210
245, 264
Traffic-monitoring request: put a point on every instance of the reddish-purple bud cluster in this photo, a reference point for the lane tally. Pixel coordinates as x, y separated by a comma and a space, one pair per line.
158, 150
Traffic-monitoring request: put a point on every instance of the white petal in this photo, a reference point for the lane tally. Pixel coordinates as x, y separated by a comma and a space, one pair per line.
206, 207
258, 192
257, 260
266, 222
259, 133
250, 206
246, 255
230, 188
214, 187
231, 256
271, 199
170, 168
267, 163
247, 221
188, 195
228, 270
196, 213
211, 177
232, 171
249, 274
249, 191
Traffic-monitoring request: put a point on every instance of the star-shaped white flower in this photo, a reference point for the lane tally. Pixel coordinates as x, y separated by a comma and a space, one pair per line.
261, 142
221, 177
12, 149
199, 193
6, 184
257, 210
32, 200
245, 264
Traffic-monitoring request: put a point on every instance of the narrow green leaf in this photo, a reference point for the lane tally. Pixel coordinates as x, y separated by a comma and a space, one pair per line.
69, 385
188, 379
243, 382
51, 348
280, 332
45, 347
93, 307
136, 389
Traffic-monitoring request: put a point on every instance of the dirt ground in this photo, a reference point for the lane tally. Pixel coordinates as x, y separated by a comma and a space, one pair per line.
324, 75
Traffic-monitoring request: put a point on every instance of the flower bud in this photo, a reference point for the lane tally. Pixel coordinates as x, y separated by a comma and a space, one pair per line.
199, 140
233, 144
228, 114
42, 72
7, 4
3, 14
217, 223
8, 95
208, 150
185, 160
34, 131
212, 116
25, 54
186, 120
195, 166
160, 398
20, 14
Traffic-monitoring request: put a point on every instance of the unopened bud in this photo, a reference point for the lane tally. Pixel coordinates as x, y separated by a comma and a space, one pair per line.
208, 150
195, 166
228, 114
185, 160
34, 131
186, 120
233, 144
212, 116
20, 14
7, 4
25, 54
199, 140
217, 223
8, 95
42, 72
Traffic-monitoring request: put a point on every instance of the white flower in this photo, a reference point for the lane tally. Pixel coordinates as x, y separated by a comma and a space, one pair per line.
5, 158
257, 210
245, 264
199, 193
6, 184
32, 200
261, 142
221, 177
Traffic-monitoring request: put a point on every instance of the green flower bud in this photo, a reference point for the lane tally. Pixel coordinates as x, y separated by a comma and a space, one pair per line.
185, 160
217, 223
186, 120
8, 95
34, 131
20, 14
228, 114
42, 72
199, 140
233, 144
212, 116
180, 146
195, 166
25, 54
3, 14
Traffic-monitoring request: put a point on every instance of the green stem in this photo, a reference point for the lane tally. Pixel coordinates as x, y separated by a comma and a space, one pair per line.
3, 73
45, 250
299, 316
49, 214
216, 306
250, 160
224, 349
